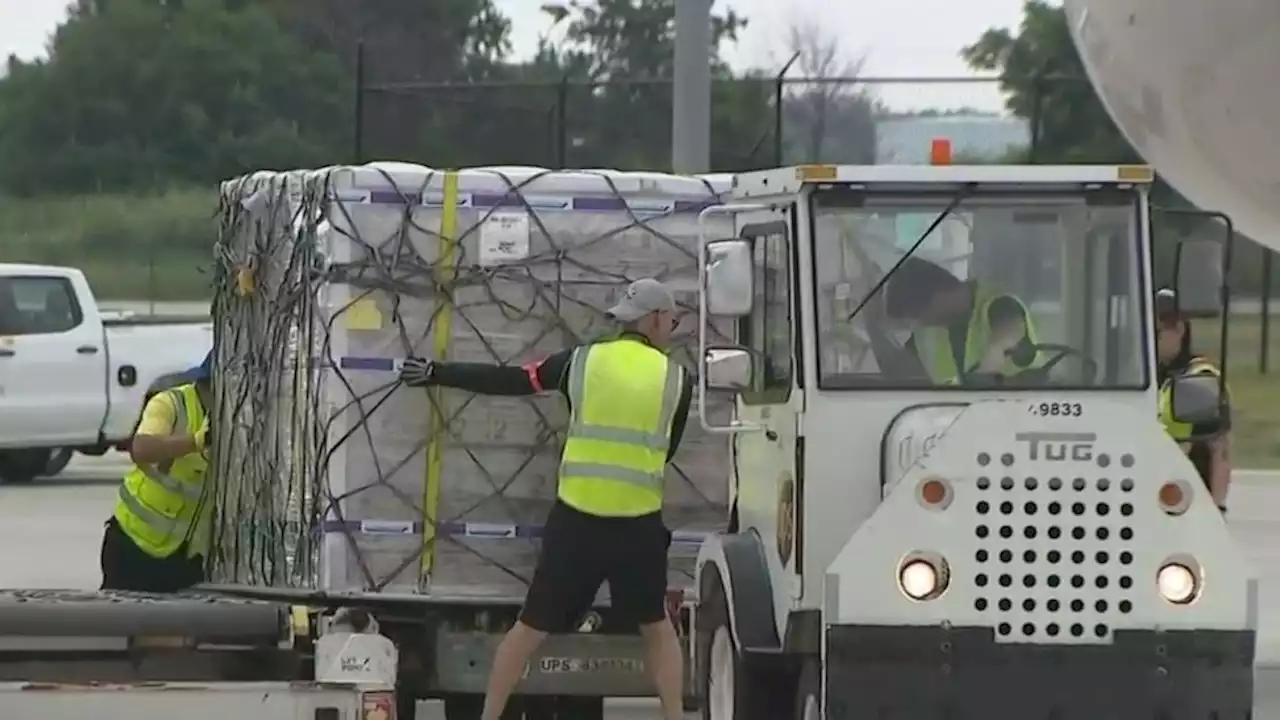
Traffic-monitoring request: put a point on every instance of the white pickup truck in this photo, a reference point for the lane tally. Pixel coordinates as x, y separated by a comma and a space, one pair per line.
72, 376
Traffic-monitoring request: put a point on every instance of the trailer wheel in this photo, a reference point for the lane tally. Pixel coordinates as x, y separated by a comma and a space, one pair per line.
573, 707
406, 706
809, 692
728, 689
471, 707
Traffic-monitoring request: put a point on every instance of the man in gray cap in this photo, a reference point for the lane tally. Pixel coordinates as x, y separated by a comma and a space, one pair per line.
628, 404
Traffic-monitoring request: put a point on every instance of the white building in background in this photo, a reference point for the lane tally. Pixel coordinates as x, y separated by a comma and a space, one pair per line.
904, 140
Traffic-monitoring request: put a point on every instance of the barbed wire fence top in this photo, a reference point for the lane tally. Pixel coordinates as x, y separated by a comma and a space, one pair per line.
331, 475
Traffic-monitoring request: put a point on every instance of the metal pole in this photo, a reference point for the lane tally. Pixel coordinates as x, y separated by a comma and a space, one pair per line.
779, 102
1037, 107
1264, 347
691, 88
357, 129
562, 123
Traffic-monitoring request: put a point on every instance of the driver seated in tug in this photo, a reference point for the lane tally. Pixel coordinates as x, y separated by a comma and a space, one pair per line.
960, 328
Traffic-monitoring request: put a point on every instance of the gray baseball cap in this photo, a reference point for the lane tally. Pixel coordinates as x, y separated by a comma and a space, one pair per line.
643, 296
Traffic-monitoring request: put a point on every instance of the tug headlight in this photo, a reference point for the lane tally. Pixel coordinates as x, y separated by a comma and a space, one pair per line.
923, 576
1178, 582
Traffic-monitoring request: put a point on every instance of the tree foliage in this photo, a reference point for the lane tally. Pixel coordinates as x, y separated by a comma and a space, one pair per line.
145, 93
138, 95
1044, 80
834, 119
597, 93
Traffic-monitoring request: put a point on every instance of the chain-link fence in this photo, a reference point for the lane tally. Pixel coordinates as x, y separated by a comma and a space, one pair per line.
624, 125
756, 121
149, 248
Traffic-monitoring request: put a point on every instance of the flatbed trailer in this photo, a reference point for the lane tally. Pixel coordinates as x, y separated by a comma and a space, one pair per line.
196, 701
74, 653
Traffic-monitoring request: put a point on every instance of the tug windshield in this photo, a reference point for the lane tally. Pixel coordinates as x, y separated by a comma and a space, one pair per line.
1011, 290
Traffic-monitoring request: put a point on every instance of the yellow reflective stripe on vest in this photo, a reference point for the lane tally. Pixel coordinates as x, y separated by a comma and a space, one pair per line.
156, 531
166, 526
623, 396
658, 440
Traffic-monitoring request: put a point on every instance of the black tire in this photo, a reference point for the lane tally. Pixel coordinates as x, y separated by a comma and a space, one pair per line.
20, 467
406, 705
58, 460
808, 689
471, 707
540, 707
754, 696
570, 707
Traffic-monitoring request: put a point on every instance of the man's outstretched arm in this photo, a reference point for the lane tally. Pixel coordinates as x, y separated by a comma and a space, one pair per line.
548, 374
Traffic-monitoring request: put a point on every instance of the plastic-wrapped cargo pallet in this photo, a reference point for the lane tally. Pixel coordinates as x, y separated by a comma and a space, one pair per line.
330, 474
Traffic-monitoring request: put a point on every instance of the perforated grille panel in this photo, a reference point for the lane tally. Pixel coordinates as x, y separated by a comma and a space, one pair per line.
1054, 559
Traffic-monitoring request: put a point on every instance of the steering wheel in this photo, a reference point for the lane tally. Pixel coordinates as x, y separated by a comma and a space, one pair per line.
1036, 375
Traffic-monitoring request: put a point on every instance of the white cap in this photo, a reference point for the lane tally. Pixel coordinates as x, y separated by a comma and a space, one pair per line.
643, 296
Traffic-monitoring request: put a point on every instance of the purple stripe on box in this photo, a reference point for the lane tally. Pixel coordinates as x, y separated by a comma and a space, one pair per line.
583, 203
489, 531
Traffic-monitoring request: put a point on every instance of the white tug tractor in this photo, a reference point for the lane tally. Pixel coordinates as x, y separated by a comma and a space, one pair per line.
1025, 545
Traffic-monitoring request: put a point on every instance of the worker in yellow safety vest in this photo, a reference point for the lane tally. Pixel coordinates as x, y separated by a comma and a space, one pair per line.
960, 329
157, 537
1208, 446
628, 404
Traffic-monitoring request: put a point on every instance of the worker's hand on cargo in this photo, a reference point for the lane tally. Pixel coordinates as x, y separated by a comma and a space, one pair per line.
418, 372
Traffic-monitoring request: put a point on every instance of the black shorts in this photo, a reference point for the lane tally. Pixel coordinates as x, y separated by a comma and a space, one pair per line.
580, 552
126, 567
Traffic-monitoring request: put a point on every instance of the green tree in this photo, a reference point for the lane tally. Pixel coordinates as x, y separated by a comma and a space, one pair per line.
1045, 81
596, 93
832, 121
625, 50
140, 94
439, 40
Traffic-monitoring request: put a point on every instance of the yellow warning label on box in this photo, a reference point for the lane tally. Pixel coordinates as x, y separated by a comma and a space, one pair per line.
363, 314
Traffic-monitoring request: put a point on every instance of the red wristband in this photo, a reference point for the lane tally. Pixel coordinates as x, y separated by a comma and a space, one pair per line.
531, 369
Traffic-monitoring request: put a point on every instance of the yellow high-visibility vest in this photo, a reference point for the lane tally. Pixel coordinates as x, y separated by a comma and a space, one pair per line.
623, 396
160, 507
933, 344
1181, 431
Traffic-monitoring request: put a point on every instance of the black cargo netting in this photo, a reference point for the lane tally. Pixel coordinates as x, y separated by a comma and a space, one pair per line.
322, 461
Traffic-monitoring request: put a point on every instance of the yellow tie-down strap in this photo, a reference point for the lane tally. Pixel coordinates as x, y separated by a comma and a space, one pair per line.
443, 336
299, 622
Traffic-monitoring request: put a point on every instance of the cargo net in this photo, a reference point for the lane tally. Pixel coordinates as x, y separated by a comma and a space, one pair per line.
332, 475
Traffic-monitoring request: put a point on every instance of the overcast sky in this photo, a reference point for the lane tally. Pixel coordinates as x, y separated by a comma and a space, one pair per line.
898, 38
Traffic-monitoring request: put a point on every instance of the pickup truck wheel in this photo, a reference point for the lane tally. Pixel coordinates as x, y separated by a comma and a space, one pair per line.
18, 467
58, 460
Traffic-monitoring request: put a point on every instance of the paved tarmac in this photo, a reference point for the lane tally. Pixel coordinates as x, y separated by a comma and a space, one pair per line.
50, 532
